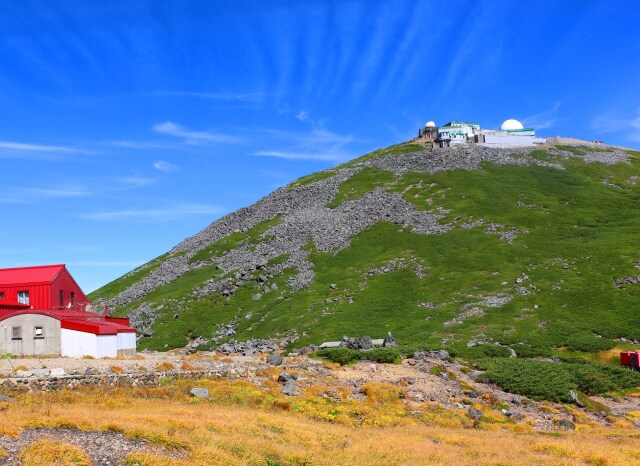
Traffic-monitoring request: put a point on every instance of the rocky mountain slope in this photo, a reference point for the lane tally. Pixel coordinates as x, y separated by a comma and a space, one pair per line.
471, 249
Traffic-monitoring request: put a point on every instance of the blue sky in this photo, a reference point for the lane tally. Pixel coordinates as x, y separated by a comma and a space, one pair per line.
127, 126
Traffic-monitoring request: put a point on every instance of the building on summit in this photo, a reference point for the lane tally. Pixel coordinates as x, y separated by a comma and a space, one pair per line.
44, 311
511, 133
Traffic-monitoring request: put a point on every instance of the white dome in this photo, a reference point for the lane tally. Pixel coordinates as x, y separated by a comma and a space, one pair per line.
511, 125
430, 124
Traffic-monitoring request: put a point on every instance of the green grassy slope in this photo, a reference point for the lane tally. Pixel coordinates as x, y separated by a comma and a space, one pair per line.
576, 231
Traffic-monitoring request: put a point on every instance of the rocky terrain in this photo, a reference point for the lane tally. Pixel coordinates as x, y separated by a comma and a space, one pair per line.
425, 379
500, 228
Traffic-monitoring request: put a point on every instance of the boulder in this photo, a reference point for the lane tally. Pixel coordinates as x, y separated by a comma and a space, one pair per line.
58, 372
41, 372
563, 424
290, 388
202, 393
475, 414
24, 374
274, 359
389, 340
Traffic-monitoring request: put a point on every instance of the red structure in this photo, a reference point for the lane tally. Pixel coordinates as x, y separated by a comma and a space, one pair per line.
42, 287
630, 359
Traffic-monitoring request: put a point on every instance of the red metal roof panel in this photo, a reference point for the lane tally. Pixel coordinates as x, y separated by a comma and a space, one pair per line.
22, 275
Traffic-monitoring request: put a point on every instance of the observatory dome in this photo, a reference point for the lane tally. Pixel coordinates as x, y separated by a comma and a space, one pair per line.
430, 124
511, 125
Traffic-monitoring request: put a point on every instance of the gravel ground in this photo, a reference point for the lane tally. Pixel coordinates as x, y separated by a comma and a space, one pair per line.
103, 448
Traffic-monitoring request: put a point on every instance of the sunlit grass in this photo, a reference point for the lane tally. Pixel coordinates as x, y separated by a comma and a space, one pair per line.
242, 424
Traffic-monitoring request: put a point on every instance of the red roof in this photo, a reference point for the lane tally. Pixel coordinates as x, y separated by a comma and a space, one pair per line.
38, 274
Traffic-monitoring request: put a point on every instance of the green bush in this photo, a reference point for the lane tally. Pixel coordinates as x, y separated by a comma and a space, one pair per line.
381, 355
340, 355
346, 356
545, 380
589, 342
526, 351
539, 380
481, 351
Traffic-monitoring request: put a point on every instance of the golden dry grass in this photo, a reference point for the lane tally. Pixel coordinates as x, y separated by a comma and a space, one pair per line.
165, 366
243, 425
53, 453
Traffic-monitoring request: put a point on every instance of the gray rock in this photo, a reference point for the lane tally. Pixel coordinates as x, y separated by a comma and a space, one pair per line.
473, 375
475, 414
58, 372
389, 340
41, 372
274, 359
200, 393
330, 344
564, 424
290, 388
285, 377
22, 374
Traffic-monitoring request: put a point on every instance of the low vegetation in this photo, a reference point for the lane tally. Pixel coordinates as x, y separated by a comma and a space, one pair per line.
242, 424
555, 381
347, 356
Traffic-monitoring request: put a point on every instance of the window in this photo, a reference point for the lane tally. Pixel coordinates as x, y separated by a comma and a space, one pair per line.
73, 299
23, 297
61, 298
38, 332
1, 294
16, 333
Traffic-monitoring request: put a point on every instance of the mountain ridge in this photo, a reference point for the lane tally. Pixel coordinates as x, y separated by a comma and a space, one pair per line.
235, 278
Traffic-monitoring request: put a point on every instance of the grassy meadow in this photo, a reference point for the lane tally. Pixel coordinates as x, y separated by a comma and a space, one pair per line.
242, 424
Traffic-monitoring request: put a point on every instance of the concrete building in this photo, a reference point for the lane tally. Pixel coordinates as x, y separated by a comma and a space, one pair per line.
511, 134
428, 134
457, 132
42, 311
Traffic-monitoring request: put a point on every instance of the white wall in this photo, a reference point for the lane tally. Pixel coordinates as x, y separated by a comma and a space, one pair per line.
107, 346
75, 344
126, 340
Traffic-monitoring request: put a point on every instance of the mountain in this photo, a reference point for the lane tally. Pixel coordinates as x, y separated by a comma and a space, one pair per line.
535, 249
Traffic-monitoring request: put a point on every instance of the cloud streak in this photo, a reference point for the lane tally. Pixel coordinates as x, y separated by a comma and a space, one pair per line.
26, 147
318, 144
169, 128
543, 120
614, 124
249, 97
165, 167
159, 214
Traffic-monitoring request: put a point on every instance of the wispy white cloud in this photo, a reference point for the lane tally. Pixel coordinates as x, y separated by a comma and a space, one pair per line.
543, 120
326, 156
164, 166
610, 123
127, 263
194, 137
318, 144
159, 214
26, 147
302, 115
132, 182
137, 144
57, 192
250, 97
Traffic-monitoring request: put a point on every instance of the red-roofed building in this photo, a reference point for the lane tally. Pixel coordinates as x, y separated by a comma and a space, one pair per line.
44, 311
41, 287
